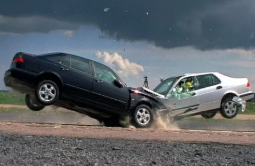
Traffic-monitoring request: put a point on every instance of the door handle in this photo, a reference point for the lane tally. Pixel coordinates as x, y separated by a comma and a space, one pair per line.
99, 81
62, 68
218, 87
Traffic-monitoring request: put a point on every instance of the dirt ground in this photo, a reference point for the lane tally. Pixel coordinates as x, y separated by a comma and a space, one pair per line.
128, 133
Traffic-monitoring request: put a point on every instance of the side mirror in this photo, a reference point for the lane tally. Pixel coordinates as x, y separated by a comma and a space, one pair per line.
118, 83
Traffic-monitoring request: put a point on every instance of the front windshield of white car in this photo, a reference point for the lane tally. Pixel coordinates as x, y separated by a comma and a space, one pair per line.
164, 87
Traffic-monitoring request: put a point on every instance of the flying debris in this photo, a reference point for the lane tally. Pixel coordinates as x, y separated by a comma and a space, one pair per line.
106, 9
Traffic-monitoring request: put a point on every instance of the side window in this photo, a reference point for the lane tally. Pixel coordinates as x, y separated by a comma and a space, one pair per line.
104, 73
55, 57
186, 85
80, 64
216, 80
66, 61
207, 80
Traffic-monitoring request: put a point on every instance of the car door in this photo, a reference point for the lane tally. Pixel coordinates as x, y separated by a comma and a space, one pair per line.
106, 93
184, 101
77, 77
209, 92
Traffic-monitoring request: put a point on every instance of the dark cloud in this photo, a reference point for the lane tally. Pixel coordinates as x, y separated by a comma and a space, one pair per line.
204, 24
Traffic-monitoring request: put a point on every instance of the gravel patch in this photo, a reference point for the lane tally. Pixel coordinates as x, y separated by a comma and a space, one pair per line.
47, 150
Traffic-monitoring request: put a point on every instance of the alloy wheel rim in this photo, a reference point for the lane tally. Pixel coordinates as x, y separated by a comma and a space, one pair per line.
143, 116
230, 108
47, 92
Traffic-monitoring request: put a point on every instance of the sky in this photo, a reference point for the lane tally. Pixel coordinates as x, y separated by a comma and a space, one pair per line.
135, 38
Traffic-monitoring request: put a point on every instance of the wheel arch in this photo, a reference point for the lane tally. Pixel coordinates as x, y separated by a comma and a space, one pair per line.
228, 94
50, 76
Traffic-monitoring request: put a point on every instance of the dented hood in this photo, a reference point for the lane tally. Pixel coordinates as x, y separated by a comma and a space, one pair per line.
147, 92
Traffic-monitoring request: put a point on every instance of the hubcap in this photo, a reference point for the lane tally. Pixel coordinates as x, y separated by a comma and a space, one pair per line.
230, 108
143, 116
47, 92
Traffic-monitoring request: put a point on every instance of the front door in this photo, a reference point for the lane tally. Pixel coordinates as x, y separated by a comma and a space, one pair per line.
182, 99
105, 92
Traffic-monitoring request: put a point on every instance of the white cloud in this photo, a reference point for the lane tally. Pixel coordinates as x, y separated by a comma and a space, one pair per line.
121, 65
69, 34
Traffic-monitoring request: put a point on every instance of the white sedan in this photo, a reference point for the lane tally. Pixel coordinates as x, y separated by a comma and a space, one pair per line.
204, 94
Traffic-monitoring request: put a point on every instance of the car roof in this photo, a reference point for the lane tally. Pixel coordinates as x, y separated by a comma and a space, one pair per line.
194, 74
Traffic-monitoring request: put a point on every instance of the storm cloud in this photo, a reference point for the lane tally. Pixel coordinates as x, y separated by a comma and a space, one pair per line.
203, 24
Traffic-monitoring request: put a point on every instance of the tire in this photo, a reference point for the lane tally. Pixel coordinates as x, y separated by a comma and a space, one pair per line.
143, 117
111, 122
33, 104
209, 114
52, 92
228, 108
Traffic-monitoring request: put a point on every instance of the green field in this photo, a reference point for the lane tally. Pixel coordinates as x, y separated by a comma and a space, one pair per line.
19, 99
12, 98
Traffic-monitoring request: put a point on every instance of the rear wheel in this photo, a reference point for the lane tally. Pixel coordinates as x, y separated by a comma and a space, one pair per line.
143, 116
33, 104
208, 114
229, 109
47, 92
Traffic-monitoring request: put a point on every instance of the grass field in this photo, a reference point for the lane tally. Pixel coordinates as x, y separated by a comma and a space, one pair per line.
16, 98
12, 98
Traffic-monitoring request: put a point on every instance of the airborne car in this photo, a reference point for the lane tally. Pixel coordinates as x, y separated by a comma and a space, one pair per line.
204, 94
78, 84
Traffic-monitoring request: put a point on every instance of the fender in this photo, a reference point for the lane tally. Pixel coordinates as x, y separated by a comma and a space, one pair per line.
230, 91
51, 72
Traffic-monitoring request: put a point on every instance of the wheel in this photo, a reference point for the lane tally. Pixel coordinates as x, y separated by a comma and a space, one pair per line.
143, 116
47, 92
33, 104
208, 114
229, 109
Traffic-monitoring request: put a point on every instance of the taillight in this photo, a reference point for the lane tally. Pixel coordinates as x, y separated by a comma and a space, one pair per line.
248, 85
18, 59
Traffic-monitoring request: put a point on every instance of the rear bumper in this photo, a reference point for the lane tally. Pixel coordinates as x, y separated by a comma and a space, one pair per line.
248, 96
17, 80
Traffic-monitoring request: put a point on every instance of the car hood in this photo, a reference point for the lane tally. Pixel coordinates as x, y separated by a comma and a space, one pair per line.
147, 92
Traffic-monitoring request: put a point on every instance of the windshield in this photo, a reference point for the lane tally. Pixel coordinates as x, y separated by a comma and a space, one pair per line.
164, 87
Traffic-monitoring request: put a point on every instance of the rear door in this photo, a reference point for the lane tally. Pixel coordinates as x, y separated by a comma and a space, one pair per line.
105, 92
209, 92
77, 77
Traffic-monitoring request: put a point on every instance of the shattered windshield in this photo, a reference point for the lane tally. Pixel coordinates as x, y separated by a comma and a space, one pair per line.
165, 86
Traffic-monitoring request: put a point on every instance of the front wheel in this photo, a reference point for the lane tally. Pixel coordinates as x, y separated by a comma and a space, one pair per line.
47, 92
208, 114
33, 104
229, 109
143, 116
